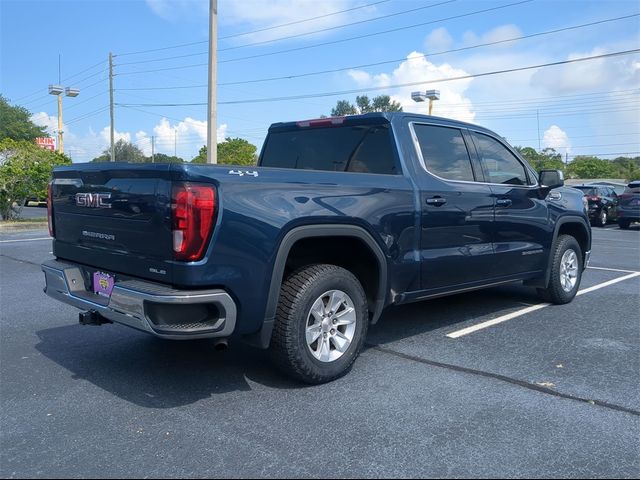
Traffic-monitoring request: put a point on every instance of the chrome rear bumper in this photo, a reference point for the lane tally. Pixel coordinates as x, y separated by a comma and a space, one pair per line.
150, 307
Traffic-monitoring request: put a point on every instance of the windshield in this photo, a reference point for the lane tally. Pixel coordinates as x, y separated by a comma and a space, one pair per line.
588, 190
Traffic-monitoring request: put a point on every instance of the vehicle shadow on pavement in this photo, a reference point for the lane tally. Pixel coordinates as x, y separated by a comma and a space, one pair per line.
445, 313
155, 373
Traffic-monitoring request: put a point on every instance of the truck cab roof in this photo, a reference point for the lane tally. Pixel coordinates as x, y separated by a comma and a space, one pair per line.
375, 118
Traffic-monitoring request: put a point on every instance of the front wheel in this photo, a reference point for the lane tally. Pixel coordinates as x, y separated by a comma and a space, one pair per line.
321, 323
602, 219
566, 271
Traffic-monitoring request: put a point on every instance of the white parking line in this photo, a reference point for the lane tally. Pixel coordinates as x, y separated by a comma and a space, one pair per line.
26, 240
612, 269
524, 311
606, 284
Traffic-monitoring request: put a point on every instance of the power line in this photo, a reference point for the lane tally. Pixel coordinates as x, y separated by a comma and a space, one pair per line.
399, 85
384, 62
303, 21
170, 47
433, 54
358, 37
298, 35
64, 80
86, 115
333, 42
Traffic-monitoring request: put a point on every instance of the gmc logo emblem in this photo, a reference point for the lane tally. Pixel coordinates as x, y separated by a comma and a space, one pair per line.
93, 200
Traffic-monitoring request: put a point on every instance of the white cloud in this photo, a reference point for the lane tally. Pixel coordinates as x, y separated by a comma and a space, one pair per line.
498, 34
556, 138
602, 73
43, 119
361, 77
258, 14
438, 40
105, 134
452, 103
184, 137
221, 133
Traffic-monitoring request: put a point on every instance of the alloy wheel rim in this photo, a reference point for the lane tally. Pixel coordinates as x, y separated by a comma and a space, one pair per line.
569, 270
330, 326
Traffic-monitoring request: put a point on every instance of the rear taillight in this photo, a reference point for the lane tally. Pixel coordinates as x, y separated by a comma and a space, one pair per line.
593, 198
52, 231
193, 217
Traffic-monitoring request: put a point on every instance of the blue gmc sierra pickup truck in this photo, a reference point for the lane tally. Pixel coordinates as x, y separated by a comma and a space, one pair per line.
341, 218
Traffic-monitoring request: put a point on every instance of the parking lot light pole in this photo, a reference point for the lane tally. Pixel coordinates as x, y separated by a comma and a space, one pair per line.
58, 90
429, 94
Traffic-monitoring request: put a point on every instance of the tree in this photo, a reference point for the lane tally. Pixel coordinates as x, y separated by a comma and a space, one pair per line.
233, 151
25, 171
584, 166
16, 124
627, 168
548, 159
381, 103
124, 152
201, 157
236, 151
163, 158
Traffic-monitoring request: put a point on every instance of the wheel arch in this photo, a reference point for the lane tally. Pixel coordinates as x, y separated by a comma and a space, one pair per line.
376, 291
578, 228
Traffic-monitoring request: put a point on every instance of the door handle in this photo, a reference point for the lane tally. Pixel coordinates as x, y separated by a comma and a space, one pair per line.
436, 201
503, 202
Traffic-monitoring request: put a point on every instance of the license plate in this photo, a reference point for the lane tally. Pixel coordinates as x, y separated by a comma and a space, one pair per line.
103, 284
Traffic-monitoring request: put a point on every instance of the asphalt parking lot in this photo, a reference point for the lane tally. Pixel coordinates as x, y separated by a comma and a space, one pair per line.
539, 391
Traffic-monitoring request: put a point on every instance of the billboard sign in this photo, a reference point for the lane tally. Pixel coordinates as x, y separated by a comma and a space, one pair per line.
46, 142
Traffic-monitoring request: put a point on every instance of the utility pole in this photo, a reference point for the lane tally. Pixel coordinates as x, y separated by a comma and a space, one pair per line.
212, 120
113, 152
153, 149
538, 121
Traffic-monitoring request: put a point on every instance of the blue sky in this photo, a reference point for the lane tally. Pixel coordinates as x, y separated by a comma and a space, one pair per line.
588, 107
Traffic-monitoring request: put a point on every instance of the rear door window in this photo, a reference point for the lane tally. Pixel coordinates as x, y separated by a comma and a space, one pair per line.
358, 148
444, 152
500, 165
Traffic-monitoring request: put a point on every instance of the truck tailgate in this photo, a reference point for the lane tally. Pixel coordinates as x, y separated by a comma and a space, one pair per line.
116, 218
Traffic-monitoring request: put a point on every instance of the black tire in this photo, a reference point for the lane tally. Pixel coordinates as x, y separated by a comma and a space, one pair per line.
603, 218
554, 292
289, 349
624, 224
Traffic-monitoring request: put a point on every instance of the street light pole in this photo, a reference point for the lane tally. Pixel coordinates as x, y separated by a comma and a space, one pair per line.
60, 144
212, 120
59, 90
429, 94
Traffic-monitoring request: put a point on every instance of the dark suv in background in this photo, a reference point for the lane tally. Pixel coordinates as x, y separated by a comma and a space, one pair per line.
629, 205
603, 203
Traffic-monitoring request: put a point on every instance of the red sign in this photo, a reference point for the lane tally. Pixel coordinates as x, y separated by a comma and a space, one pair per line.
46, 142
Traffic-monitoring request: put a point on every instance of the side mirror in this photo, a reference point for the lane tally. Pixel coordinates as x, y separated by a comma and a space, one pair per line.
551, 179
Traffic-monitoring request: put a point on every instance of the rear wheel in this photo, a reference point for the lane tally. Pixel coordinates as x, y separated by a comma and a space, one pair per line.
321, 323
566, 271
624, 224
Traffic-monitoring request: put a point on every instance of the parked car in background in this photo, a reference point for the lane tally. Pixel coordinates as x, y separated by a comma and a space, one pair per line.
629, 205
603, 203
